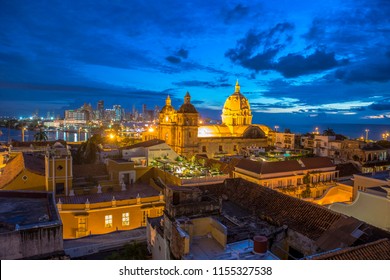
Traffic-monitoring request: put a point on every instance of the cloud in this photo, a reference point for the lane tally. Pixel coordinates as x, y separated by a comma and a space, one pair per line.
178, 56
173, 59
383, 105
197, 102
262, 51
257, 50
373, 69
237, 13
204, 84
183, 53
295, 65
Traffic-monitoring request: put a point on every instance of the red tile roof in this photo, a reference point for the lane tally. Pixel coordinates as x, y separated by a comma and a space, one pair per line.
262, 167
144, 144
16, 165
12, 169
277, 208
377, 250
34, 163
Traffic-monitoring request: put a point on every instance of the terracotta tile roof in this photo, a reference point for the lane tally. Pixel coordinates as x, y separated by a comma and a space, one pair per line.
377, 250
317, 162
347, 169
277, 208
373, 147
144, 144
311, 220
11, 170
342, 233
262, 167
34, 163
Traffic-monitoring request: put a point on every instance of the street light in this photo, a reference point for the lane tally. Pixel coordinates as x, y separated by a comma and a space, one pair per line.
276, 127
367, 130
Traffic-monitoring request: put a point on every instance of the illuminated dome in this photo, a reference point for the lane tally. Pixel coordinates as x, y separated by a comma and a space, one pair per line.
187, 107
167, 109
236, 110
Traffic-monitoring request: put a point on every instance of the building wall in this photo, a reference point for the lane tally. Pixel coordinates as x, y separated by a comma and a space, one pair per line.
282, 181
59, 170
339, 193
363, 182
370, 208
215, 146
157, 245
28, 243
74, 226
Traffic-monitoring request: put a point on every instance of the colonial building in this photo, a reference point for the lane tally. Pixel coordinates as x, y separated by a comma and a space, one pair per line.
308, 177
51, 171
369, 156
181, 129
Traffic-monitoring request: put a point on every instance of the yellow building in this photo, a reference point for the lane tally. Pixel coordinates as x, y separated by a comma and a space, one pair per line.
106, 212
35, 171
182, 130
118, 201
122, 199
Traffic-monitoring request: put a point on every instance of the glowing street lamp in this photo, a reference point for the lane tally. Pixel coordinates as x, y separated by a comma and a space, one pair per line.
367, 130
23, 130
276, 127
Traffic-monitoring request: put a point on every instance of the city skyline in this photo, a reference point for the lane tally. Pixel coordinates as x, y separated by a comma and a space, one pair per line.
297, 61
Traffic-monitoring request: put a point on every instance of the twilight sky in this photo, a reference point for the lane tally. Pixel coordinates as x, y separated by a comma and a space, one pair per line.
312, 61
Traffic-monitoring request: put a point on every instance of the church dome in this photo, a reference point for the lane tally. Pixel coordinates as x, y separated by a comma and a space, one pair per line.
236, 110
187, 107
168, 108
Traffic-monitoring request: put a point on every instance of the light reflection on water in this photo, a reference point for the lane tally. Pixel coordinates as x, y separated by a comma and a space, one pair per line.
52, 135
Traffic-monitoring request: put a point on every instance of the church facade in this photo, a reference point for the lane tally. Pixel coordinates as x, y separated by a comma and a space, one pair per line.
182, 131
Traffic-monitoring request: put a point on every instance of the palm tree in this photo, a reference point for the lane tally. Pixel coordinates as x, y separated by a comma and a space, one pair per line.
40, 136
86, 153
329, 132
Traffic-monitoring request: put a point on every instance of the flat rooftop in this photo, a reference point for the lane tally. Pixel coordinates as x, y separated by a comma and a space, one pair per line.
143, 190
382, 175
205, 248
25, 209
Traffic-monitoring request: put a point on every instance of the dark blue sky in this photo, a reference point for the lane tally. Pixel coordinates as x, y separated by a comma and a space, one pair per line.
310, 61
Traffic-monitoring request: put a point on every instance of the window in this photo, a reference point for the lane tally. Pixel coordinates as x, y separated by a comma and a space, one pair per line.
204, 149
189, 134
145, 215
125, 219
159, 212
235, 148
220, 148
289, 182
108, 221
82, 224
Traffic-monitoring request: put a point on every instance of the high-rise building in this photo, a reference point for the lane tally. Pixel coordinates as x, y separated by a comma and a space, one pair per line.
100, 110
119, 113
